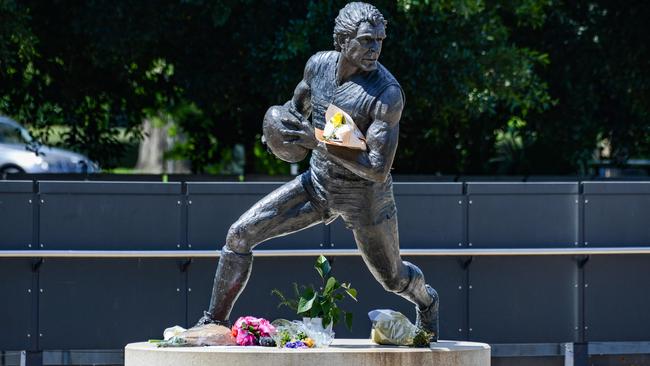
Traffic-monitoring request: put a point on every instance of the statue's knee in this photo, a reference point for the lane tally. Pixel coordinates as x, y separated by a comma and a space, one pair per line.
394, 284
237, 240
397, 282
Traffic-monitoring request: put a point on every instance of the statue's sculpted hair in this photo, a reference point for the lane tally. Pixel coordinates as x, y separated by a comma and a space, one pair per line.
349, 18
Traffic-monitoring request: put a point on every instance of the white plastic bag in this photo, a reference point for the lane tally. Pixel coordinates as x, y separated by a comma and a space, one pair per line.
391, 327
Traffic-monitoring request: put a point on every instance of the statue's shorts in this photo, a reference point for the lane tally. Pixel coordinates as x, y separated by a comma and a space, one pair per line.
359, 202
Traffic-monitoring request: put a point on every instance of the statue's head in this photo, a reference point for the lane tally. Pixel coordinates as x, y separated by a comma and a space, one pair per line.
359, 30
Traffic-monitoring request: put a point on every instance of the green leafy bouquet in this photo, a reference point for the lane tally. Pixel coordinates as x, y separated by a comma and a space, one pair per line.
320, 302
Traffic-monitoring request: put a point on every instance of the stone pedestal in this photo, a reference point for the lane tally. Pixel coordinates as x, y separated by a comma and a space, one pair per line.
353, 352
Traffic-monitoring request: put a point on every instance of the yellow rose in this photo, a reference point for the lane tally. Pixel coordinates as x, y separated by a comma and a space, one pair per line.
338, 119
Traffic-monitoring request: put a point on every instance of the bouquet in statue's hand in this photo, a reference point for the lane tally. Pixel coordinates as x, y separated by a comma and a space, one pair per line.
340, 130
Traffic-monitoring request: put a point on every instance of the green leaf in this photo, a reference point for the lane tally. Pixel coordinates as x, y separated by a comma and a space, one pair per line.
280, 295
306, 302
334, 314
296, 290
325, 309
322, 266
290, 303
316, 311
352, 292
331, 285
307, 292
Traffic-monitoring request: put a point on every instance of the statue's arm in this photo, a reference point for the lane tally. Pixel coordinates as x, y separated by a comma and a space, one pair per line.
381, 139
301, 100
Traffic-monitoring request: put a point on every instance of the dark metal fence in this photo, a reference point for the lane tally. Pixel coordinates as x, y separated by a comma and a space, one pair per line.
535, 268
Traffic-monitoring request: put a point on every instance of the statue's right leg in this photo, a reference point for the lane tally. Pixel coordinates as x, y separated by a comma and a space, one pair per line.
287, 209
379, 247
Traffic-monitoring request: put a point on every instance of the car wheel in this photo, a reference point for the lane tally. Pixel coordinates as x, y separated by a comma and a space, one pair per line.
9, 170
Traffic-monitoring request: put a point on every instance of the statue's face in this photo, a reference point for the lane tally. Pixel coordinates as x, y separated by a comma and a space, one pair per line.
363, 50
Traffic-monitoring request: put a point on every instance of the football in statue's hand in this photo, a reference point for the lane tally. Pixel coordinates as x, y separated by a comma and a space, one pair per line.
275, 140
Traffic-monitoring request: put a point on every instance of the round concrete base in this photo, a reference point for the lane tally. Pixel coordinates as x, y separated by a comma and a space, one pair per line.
353, 352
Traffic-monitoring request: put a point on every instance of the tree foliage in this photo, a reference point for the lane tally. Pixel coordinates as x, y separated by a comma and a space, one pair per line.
600, 76
517, 86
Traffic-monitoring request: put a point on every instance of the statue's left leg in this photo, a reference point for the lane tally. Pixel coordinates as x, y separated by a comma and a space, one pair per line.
379, 246
287, 209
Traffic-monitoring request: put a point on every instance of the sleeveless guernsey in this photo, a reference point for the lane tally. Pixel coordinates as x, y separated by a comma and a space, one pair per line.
333, 188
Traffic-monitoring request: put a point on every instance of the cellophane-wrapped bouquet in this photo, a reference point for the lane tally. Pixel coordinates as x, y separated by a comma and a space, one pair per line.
251, 331
298, 334
340, 130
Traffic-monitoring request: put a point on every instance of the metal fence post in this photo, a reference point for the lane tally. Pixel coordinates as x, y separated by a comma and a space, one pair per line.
568, 354
31, 358
580, 354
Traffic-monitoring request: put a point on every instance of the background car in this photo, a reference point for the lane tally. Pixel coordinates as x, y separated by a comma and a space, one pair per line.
21, 153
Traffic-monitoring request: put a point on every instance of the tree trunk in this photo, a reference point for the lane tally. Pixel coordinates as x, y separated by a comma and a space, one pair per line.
152, 150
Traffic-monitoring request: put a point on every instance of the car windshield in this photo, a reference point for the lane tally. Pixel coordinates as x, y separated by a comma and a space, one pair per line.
10, 134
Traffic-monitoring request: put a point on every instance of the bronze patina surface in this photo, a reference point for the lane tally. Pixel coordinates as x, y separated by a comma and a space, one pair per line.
353, 184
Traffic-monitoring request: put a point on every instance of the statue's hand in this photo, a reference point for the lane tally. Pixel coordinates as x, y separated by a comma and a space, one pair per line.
300, 131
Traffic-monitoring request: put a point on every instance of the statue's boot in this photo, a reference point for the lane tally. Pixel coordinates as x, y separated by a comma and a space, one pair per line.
427, 318
426, 300
233, 272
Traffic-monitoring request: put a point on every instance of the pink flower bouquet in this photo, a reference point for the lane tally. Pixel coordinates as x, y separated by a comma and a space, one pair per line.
248, 330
